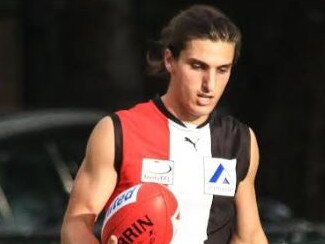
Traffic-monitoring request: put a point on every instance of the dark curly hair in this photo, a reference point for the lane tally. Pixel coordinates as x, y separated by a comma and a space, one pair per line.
196, 22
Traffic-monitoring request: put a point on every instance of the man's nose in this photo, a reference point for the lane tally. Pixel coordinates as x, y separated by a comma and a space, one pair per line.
209, 81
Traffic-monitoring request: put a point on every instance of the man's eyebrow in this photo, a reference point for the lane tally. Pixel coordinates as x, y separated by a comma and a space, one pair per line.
194, 60
229, 65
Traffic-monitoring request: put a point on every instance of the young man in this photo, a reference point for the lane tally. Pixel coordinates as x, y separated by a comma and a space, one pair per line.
214, 159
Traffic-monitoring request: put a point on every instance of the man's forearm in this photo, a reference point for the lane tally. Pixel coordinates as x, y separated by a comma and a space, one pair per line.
257, 238
77, 231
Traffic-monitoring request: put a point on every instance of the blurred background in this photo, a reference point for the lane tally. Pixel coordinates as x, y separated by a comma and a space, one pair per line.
66, 63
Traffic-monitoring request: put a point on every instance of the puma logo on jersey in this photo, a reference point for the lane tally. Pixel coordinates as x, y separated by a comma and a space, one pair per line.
192, 142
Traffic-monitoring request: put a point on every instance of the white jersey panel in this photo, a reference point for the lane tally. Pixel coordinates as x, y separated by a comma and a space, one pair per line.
188, 147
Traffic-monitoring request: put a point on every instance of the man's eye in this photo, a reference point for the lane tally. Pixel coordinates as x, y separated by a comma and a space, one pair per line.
196, 66
223, 70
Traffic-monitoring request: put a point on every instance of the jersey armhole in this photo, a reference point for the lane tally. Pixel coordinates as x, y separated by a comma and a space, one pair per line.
118, 142
246, 144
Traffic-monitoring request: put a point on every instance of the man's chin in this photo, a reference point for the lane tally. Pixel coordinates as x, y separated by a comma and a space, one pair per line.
201, 113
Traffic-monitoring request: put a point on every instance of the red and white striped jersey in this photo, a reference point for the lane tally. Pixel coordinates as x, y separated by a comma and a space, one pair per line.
202, 166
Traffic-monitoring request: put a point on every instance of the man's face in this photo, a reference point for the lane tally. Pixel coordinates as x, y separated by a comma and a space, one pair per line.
198, 78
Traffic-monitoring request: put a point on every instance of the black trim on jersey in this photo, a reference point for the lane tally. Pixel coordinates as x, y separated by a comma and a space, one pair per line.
161, 106
207, 121
118, 142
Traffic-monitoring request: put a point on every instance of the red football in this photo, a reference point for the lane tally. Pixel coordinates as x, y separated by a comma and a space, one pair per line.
144, 213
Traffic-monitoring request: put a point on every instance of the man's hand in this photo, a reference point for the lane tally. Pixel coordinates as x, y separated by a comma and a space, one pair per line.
112, 240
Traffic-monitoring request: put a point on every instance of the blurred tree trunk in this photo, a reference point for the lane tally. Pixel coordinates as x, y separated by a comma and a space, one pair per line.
11, 54
314, 187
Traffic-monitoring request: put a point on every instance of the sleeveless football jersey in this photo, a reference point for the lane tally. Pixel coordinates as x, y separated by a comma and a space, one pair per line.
202, 166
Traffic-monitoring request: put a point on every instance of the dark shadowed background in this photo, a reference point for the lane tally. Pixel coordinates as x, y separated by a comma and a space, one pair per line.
91, 54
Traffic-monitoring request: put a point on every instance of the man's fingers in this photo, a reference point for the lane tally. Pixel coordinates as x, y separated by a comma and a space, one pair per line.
112, 240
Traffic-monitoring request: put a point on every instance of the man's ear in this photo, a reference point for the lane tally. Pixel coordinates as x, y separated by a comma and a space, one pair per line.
168, 60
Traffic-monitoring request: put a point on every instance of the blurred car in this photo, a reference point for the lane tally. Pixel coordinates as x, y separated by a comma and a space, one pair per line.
40, 153
283, 227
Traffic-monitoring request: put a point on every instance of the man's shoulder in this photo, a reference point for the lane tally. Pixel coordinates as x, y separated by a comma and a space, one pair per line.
137, 109
142, 114
223, 118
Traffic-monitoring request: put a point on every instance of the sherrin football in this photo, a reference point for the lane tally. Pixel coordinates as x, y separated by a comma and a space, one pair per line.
145, 213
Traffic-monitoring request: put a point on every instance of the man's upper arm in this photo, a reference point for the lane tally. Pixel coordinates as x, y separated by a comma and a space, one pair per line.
248, 225
96, 178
